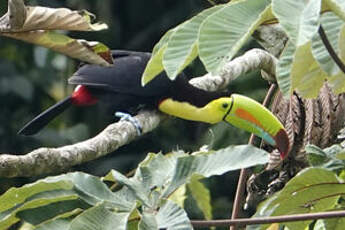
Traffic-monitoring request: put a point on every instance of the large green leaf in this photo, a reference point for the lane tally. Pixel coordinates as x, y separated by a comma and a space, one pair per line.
100, 218
312, 190
299, 19
332, 25
73, 191
224, 32
182, 46
10, 217
216, 163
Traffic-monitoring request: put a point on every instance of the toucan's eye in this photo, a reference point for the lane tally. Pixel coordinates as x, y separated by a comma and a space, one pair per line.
225, 105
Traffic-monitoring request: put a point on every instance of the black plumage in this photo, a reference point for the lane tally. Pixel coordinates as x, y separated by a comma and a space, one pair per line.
119, 88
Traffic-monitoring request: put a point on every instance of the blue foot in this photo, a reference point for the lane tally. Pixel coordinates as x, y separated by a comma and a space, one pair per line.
128, 117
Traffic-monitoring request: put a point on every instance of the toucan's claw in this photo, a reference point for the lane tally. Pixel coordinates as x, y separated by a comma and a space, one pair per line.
127, 117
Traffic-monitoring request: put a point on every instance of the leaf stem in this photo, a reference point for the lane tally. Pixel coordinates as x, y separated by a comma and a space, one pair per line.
330, 49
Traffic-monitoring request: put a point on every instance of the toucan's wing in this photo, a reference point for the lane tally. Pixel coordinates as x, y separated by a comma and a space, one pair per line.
123, 77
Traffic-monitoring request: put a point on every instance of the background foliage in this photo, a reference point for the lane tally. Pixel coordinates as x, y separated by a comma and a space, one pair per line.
33, 78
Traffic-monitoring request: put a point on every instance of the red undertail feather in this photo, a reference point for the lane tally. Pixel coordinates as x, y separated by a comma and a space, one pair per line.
82, 96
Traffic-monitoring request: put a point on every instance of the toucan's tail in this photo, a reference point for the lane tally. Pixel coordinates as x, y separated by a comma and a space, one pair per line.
45, 117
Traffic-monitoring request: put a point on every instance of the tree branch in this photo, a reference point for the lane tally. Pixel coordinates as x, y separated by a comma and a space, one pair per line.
53, 160
268, 220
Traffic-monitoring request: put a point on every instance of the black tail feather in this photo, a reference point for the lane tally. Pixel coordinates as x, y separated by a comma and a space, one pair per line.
45, 117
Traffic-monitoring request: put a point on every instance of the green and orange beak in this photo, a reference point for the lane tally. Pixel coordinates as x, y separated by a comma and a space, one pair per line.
251, 116
237, 110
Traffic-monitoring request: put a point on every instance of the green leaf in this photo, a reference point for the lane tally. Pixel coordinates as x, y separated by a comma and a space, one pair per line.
99, 218
337, 6
332, 25
182, 46
155, 64
179, 196
147, 222
340, 156
47, 194
8, 218
330, 224
316, 156
299, 19
312, 190
337, 81
53, 210
216, 163
60, 224
137, 187
224, 32
202, 196
171, 216
297, 69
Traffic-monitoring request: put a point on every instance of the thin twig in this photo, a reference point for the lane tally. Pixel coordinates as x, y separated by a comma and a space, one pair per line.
268, 220
244, 172
330, 49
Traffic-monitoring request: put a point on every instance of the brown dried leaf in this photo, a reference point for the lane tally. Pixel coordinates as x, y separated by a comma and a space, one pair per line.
44, 18
326, 111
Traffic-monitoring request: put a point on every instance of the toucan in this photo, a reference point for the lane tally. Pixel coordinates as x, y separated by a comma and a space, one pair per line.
119, 88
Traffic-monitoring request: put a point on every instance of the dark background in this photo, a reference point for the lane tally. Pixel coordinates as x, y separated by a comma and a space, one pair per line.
33, 78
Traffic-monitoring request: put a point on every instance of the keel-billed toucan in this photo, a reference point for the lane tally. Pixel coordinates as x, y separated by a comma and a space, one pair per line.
119, 87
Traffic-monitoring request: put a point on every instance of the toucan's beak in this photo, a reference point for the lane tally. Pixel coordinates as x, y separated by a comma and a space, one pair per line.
247, 114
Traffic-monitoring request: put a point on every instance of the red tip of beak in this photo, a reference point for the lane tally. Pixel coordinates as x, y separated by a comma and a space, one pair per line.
282, 143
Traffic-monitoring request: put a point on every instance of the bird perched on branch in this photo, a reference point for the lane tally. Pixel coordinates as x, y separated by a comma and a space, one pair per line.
119, 88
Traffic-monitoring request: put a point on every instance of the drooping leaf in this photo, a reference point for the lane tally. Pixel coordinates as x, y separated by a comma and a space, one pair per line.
299, 19
182, 46
311, 190
91, 52
44, 18
155, 64
224, 32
